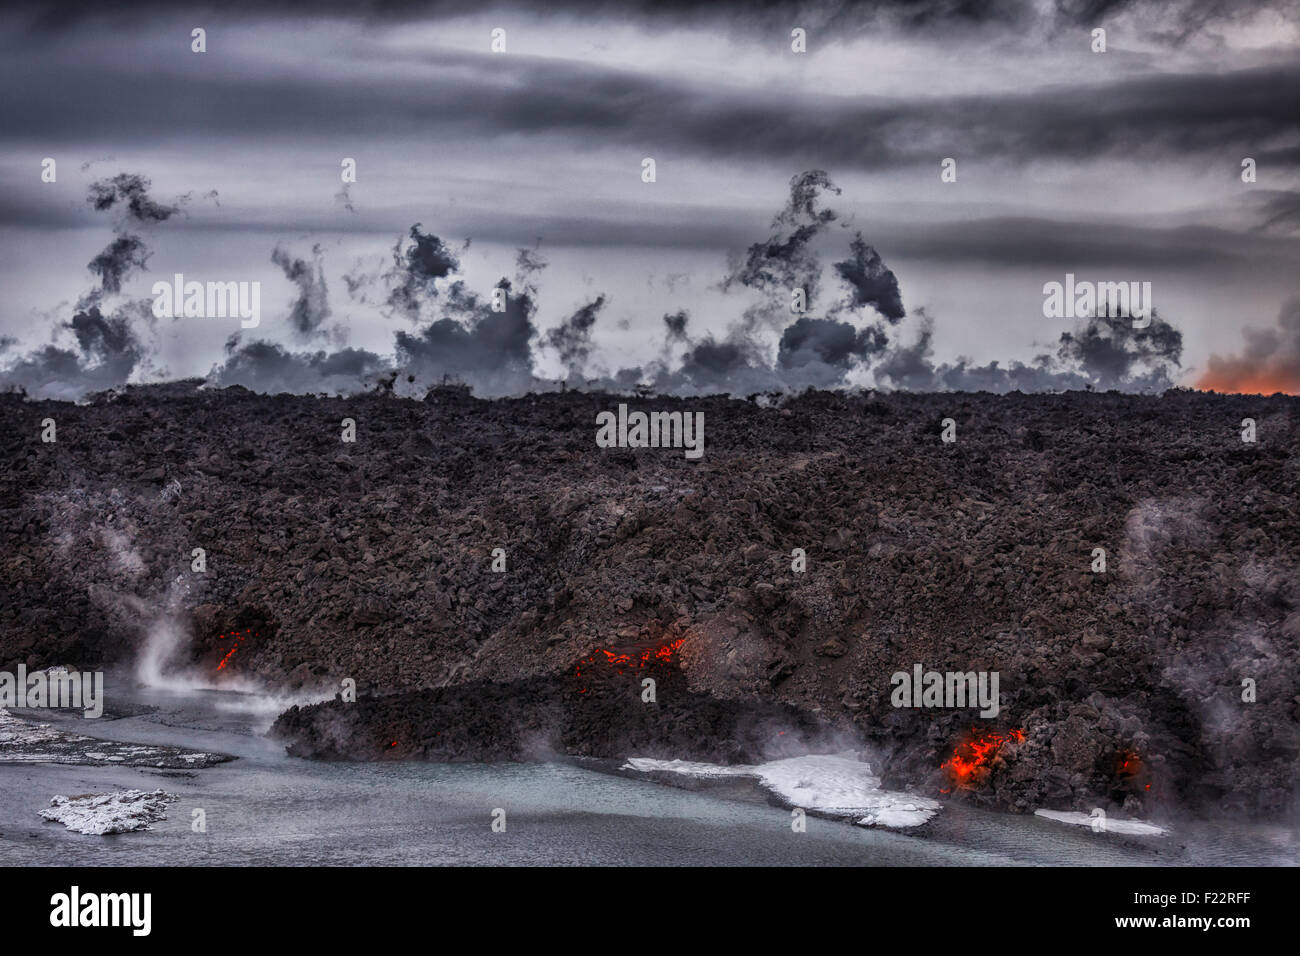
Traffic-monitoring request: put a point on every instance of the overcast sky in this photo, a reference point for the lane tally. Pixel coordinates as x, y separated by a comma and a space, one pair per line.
1115, 166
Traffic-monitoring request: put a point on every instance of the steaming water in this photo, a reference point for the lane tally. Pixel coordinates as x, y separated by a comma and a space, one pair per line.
268, 808
156, 669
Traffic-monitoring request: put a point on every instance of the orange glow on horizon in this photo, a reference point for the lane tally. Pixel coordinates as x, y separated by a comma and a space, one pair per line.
1256, 381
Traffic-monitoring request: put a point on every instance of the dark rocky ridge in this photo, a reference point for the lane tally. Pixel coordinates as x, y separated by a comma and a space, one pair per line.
593, 715
372, 561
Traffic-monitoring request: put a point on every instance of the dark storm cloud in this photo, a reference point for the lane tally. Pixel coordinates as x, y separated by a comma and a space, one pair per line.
472, 94
842, 16
1269, 362
1280, 212
1056, 244
311, 307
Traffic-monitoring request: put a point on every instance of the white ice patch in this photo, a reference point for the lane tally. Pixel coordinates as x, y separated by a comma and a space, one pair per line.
1127, 827
18, 734
24, 741
836, 784
118, 812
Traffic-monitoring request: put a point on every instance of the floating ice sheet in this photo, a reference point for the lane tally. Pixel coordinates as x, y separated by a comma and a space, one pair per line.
117, 812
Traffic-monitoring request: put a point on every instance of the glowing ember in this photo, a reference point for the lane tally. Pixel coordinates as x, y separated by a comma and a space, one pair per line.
662, 655
1131, 771
240, 637
969, 761
1128, 764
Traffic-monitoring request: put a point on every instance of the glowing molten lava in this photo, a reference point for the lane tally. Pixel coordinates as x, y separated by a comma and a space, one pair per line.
969, 761
1128, 764
662, 655
240, 637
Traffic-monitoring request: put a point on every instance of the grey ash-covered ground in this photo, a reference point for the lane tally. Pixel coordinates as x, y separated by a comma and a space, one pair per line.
373, 561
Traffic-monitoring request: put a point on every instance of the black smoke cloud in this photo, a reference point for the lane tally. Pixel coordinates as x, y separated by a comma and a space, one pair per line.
1115, 353
107, 352
736, 366
812, 351
118, 260
873, 284
131, 193
473, 344
311, 307
270, 368
785, 261
1105, 352
788, 260
675, 323
572, 337
419, 261
469, 342
461, 337
828, 341
108, 349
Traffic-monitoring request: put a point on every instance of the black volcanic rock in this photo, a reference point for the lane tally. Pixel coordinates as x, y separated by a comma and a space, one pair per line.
373, 561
